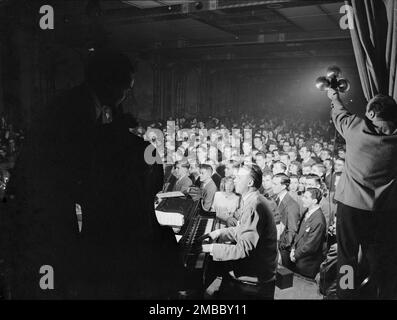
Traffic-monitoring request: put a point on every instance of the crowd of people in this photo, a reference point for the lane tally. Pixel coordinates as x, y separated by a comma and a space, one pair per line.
301, 164
271, 181
11, 140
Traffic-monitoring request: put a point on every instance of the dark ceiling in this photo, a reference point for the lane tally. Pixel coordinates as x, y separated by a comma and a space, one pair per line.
209, 30
199, 27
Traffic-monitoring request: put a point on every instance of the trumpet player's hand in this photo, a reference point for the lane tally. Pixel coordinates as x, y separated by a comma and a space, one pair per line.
333, 94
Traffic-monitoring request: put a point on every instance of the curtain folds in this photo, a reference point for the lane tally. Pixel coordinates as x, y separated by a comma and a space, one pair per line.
374, 39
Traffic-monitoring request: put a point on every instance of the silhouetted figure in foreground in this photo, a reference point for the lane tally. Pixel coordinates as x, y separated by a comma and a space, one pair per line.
81, 151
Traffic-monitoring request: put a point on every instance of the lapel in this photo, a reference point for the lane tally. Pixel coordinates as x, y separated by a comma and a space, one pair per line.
179, 182
305, 224
283, 204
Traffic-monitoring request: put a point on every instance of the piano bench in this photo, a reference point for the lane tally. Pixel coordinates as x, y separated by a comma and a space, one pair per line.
284, 278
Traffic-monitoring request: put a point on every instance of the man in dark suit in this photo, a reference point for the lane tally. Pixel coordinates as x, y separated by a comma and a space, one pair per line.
289, 215
183, 181
308, 248
81, 151
366, 194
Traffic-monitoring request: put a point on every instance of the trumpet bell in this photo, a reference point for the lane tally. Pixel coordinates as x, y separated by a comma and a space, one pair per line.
334, 72
343, 85
322, 83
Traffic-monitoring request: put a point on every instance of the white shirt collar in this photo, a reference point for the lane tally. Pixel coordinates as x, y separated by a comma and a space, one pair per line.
282, 194
203, 184
101, 109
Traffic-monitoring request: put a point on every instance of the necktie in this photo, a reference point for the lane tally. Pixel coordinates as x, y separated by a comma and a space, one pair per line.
277, 200
105, 115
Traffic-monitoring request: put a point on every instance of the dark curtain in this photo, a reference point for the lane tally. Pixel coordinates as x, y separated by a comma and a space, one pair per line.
1, 78
374, 40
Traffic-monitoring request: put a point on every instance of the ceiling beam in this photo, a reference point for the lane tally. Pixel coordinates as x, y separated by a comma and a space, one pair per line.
211, 24
275, 11
134, 15
336, 21
245, 40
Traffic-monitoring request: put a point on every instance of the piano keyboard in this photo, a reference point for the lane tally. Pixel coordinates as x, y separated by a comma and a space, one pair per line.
192, 258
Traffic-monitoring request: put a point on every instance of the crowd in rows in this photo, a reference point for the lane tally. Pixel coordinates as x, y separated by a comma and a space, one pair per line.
301, 165
11, 140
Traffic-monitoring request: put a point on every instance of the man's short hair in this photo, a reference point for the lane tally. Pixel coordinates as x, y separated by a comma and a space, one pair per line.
184, 164
331, 162
321, 167
285, 180
260, 154
283, 154
206, 167
267, 172
293, 151
314, 177
256, 174
383, 106
308, 146
339, 159
281, 164
108, 66
316, 194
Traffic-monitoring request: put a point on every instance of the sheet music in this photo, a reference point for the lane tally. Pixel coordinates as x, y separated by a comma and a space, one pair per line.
172, 194
173, 219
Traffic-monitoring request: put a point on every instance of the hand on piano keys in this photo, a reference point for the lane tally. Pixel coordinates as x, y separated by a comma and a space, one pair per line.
231, 222
212, 235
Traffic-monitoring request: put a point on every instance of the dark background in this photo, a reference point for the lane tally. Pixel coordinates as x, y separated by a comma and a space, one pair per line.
192, 57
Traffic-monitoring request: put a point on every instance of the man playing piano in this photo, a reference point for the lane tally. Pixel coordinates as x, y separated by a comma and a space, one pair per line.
250, 248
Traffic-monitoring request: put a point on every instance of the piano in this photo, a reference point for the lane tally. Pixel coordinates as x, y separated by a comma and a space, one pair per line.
197, 223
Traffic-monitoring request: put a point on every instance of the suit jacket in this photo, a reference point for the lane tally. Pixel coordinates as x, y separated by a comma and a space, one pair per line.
47, 183
329, 180
253, 252
328, 207
217, 179
298, 198
309, 244
290, 217
208, 194
195, 180
370, 176
71, 159
182, 184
